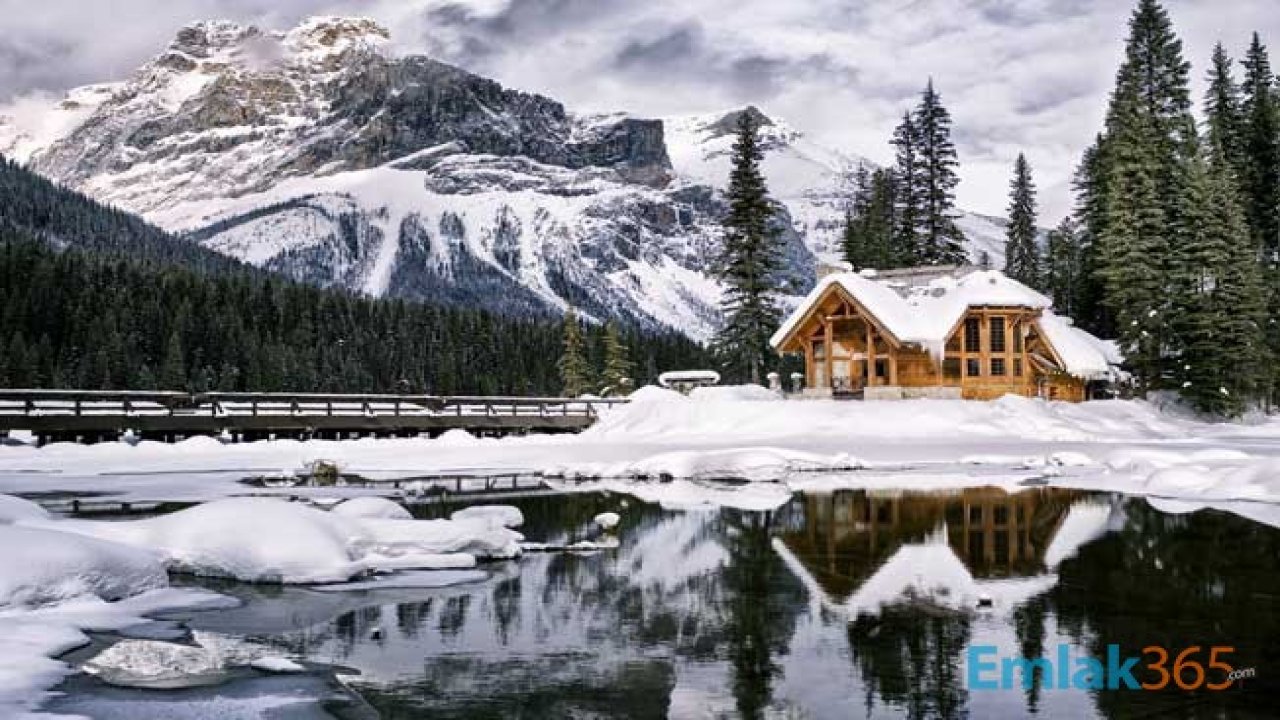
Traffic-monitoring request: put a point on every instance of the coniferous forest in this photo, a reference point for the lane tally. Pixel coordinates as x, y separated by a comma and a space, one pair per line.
1173, 247
94, 298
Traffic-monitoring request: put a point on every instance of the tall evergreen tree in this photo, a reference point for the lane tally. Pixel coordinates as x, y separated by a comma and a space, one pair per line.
617, 364
1022, 254
908, 205
1090, 309
1150, 137
867, 241
1224, 126
1261, 176
173, 371
575, 372
1219, 308
749, 263
1064, 267
943, 243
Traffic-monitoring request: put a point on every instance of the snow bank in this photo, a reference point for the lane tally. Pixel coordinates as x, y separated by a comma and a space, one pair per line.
655, 394
372, 507
491, 515
741, 393
41, 567
1010, 417
751, 464
14, 509
607, 520
276, 541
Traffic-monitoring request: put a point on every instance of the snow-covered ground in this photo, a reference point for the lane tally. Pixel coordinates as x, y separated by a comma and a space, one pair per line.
726, 434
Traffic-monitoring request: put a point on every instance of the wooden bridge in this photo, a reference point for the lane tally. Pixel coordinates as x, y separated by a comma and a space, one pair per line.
95, 416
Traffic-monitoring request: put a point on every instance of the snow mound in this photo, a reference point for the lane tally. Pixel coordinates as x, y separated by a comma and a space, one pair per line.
507, 516
608, 520
16, 510
457, 437
41, 567
716, 393
405, 538
655, 394
252, 540
751, 464
1085, 522
372, 507
277, 665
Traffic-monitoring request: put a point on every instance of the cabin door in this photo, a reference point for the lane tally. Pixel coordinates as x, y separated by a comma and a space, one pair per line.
842, 376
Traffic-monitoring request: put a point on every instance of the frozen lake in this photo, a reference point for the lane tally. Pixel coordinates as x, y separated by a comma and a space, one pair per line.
837, 604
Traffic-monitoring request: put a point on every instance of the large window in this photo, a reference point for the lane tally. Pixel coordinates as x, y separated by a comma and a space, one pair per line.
972, 367
997, 367
972, 335
997, 334
1017, 338
1017, 367
951, 368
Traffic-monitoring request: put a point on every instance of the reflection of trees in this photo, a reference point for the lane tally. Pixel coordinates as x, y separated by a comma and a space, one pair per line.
762, 604
909, 656
1029, 627
1205, 578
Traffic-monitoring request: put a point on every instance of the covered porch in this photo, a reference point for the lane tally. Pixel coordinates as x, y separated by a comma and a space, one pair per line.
845, 350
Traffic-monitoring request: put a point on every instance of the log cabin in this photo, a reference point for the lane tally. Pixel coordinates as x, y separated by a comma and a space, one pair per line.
954, 331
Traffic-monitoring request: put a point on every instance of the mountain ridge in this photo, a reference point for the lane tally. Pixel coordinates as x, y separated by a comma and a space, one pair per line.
318, 153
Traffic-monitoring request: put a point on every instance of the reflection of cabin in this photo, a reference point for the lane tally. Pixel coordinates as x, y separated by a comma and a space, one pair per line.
939, 332
847, 542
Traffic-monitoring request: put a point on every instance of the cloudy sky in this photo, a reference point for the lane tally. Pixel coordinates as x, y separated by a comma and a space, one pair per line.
1017, 75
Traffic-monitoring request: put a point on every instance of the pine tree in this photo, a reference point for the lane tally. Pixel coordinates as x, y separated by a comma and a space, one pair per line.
617, 363
943, 243
749, 263
1222, 106
574, 371
1261, 176
1090, 310
867, 237
1064, 271
1150, 136
908, 210
1219, 307
173, 372
1022, 254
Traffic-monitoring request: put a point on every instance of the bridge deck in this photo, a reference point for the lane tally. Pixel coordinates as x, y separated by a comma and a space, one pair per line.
92, 416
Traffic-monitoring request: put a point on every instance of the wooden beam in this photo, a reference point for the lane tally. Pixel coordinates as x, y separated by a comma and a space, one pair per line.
830, 348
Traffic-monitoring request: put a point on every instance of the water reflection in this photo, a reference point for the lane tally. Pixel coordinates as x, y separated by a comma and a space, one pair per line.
850, 604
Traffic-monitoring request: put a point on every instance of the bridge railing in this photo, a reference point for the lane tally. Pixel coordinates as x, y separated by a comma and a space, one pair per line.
128, 403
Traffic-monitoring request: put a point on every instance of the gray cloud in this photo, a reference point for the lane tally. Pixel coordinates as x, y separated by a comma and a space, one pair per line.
1018, 75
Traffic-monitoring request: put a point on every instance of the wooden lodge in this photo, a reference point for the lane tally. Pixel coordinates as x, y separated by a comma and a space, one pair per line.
940, 332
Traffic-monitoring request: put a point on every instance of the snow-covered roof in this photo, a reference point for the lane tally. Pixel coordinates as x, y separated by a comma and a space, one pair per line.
924, 312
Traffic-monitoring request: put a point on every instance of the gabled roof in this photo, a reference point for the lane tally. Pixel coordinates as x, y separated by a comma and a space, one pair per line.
923, 309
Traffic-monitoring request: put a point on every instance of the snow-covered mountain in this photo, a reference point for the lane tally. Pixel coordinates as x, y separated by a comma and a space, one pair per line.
319, 153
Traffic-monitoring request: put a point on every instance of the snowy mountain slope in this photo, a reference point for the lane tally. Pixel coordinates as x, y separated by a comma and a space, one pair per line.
815, 182
318, 153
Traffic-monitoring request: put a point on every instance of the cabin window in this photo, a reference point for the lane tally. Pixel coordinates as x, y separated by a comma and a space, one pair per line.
972, 367
953, 343
1001, 514
997, 335
882, 368
1017, 367
997, 367
1017, 338
972, 335
951, 368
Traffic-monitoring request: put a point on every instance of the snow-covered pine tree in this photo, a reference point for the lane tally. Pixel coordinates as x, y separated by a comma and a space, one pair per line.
1089, 182
575, 372
1150, 136
908, 206
1224, 121
943, 243
1219, 306
1063, 268
867, 241
617, 363
748, 264
1261, 176
1134, 251
1022, 254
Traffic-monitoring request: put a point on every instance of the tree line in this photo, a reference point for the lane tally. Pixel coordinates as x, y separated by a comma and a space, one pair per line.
1172, 245
95, 298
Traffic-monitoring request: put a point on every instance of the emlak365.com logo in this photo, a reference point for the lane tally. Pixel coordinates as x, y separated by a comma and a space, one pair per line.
987, 670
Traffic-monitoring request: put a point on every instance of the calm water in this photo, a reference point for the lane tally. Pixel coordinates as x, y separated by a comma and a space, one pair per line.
735, 614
